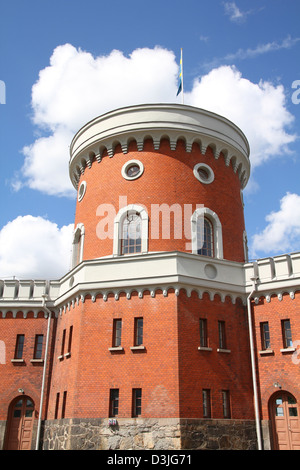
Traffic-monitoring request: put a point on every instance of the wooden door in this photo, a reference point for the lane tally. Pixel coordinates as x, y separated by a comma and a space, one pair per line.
20, 424
285, 419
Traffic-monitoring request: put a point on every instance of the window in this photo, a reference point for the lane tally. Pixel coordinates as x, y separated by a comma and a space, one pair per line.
132, 234
286, 333
138, 331
205, 245
131, 230
204, 173
78, 242
136, 402
203, 333
63, 340
206, 233
19, 346
226, 403
117, 333
38, 346
265, 335
70, 340
206, 403
56, 406
63, 409
114, 402
222, 335
132, 170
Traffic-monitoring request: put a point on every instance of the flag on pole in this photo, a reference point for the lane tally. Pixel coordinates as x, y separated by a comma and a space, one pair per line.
180, 86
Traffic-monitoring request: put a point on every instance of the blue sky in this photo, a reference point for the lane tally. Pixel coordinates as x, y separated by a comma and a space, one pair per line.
65, 62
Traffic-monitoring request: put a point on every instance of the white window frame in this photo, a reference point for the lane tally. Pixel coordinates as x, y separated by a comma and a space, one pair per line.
118, 228
217, 230
78, 244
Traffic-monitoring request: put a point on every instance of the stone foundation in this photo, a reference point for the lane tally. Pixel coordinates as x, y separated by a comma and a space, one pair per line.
149, 434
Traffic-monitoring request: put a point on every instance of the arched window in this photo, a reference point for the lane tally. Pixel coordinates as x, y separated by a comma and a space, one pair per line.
78, 241
131, 231
131, 234
207, 233
205, 237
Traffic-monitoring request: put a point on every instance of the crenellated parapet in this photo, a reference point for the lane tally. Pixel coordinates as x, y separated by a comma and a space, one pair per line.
276, 275
158, 122
26, 295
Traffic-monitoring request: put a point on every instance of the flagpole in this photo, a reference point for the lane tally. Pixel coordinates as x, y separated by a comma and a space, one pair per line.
182, 78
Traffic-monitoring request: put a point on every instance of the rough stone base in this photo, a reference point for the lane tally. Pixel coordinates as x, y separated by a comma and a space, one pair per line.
149, 434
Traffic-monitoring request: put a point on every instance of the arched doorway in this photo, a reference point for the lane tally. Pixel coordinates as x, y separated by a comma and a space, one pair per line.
20, 424
284, 413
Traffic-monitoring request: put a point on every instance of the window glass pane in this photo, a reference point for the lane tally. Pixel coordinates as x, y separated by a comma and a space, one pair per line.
291, 400
279, 401
204, 237
139, 331
131, 234
38, 346
279, 411
287, 333
17, 413
19, 404
19, 347
28, 413
203, 332
29, 404
293, 411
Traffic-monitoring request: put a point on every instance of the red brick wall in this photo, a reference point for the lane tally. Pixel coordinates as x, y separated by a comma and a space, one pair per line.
171, 371
168, 178
92, 370
26, 375
277, 367
214, 370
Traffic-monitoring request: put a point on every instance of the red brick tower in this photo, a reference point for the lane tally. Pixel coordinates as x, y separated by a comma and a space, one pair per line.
152, 331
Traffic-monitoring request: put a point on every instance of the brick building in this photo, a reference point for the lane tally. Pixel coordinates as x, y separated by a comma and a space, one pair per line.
162, 335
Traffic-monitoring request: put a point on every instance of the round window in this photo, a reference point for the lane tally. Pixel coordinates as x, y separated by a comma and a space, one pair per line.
81, 191
132, 170
204, 173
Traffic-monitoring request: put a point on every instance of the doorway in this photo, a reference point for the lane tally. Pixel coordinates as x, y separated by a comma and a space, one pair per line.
284, 411
20, 424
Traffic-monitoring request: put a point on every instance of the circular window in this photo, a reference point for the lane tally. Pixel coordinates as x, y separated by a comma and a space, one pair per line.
132, 170
81, 191
204, 173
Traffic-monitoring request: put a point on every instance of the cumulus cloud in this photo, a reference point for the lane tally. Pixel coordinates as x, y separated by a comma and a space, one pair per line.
282, 232
257, 108
35, 248
76, 87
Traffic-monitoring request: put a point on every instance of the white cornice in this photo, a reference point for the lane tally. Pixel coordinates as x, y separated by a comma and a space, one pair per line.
152, 272
157, 121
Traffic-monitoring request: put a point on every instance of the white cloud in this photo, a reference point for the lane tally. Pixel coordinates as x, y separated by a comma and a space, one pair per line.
35, 248
259, 109
282, 232
77, 87
260, 49
234, 13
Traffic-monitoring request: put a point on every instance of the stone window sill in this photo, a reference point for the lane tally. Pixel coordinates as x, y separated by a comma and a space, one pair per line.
137, 348
204, 348
288, 350
38, 361
116, 349
227, 351
266, 351
17, 361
